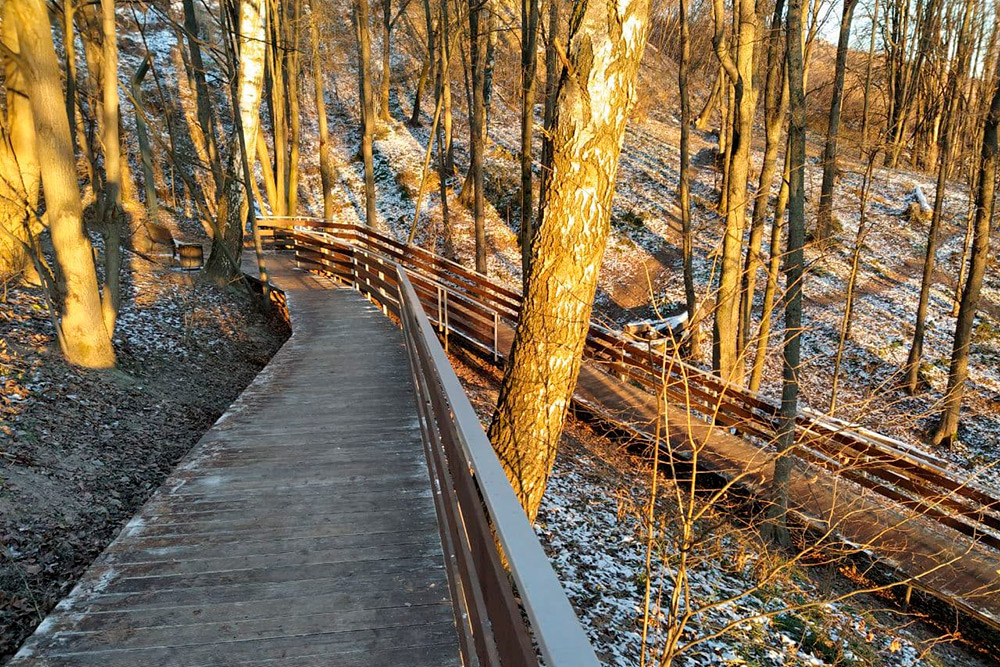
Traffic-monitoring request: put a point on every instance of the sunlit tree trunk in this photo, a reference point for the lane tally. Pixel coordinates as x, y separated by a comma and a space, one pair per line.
364, 36
224, 261
20, 189
82, 335
325, 166
726, 358
425, 69
203, 100
947, 428
292, 70
605, 47
775, 110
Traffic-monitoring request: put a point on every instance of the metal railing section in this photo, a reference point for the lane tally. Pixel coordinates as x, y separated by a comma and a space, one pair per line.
478, 509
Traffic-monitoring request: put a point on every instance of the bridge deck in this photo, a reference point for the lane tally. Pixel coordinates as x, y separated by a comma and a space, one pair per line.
300, 530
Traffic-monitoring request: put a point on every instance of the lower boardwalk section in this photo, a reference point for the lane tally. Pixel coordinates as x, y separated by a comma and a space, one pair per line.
299, 531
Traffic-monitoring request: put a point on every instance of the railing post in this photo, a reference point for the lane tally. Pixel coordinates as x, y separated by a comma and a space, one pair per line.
444, 291
496, 336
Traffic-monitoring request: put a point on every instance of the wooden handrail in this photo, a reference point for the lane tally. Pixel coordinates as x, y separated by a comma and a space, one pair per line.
915, 480
471, 460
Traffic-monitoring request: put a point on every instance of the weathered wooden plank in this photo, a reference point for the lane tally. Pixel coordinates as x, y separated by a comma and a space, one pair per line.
301, 529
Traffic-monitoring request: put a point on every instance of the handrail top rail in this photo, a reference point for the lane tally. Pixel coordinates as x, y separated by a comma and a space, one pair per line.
807, 419
557, 629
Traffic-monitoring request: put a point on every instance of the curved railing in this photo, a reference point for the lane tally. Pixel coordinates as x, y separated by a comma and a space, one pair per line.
467, 308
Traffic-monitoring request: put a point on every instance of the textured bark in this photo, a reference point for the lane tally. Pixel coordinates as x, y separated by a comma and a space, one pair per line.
82, 336
224, 261
529, 59
277, 101
791, 357
726, 358
947, 428
595, 97
693, 341
325, 166
775, 110
363, 28
20, 123
824, 213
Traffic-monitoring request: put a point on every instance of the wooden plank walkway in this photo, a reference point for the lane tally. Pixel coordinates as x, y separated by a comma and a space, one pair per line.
299, 531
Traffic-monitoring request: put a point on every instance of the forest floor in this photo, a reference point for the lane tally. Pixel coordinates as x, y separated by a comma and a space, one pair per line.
593, 526
83, 450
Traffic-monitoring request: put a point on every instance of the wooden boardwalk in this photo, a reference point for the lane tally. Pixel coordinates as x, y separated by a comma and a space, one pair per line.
300, 530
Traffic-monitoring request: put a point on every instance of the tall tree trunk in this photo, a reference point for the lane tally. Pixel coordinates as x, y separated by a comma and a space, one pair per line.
224, 260
859, 242
383, 110
791, 358
605, 47
82, 335
325, 166
824, 213
203, 99
363, 26
726, 358
866, 110
292, 69
478, 122
552, 73
947, 427
529, 59
112, 195
19, 191
775, 110
952, 95
426, 67
693, 342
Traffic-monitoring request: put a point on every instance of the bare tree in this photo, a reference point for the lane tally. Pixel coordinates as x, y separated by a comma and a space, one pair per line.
952, 95
824, 213
791, 357
80, 326
363, 28
477, 127
693, 341
947, 427
726, 357
529, 60
325, 166
606, 44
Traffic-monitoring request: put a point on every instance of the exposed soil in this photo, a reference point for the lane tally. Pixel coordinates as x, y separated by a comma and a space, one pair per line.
81, 451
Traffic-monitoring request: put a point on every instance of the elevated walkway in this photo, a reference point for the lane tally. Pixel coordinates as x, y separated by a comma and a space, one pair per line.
301, 529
